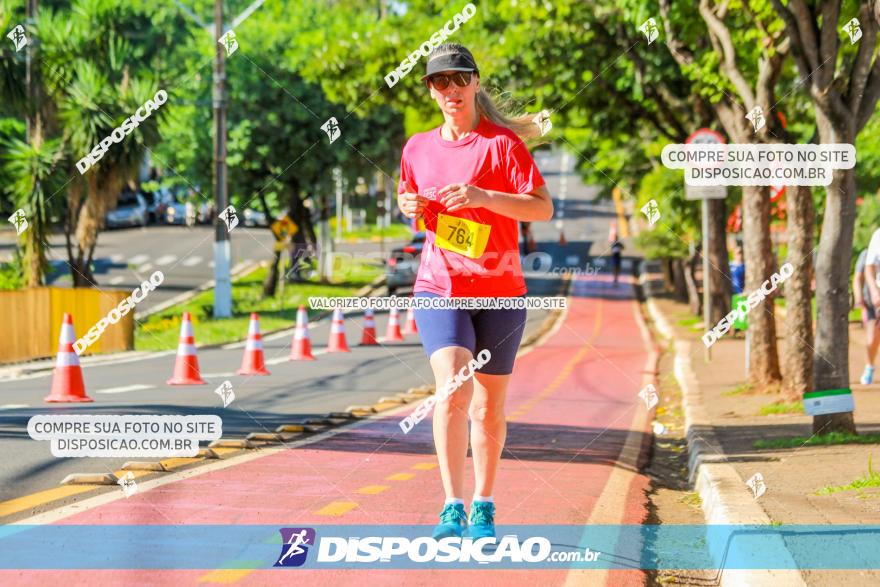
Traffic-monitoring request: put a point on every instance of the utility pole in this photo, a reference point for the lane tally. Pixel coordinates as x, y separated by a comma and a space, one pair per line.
222, 250
33, 108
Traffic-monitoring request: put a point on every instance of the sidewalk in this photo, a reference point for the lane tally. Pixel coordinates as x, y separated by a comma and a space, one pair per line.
577, 435
726, 422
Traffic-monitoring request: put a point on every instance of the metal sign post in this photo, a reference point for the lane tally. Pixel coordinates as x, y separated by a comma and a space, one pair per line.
705, 136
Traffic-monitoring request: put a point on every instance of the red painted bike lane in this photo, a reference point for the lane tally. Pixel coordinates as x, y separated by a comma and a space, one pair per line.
574, 424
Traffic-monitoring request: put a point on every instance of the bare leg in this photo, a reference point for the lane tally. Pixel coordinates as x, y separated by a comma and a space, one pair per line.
488, 429
872, 338
450, 419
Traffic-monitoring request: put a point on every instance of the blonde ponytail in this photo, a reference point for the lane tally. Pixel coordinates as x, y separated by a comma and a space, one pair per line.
523, 125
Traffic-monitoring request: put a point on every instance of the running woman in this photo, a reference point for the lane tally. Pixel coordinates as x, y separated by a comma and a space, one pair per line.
472, 179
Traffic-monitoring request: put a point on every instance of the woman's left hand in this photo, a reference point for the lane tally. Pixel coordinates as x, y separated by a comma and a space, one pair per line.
456, 196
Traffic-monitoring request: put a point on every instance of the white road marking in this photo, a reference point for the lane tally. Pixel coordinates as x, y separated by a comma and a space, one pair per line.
126, 388
13, 406
138, 259
144, 268
211, 264
117, 258
116, 280
212, 375
166, 259
191, 261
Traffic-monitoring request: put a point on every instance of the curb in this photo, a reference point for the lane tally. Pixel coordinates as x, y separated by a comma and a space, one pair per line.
724, 495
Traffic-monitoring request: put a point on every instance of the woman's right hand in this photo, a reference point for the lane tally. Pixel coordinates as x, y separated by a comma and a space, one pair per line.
412, 205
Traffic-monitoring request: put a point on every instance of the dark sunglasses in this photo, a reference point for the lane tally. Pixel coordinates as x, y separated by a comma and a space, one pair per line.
441, 81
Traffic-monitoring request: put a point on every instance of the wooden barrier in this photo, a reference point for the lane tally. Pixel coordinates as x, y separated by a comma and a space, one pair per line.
32, 321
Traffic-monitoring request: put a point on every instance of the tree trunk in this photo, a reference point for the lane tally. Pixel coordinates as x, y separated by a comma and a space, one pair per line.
270, 284
679, 281
797, 368
758, 257
693, 293
719, 303
831, 356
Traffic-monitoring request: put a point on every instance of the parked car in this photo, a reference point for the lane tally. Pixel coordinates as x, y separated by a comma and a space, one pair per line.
131, 210
180, 212
403, 264
254, 218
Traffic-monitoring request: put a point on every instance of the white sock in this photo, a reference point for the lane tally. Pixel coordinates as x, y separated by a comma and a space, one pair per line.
488, 498
453, 500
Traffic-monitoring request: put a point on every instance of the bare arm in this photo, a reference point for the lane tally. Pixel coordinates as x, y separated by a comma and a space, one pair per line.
535, 206
858, 283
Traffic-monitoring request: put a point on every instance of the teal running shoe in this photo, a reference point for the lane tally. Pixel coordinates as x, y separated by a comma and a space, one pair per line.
453, 521
482, 520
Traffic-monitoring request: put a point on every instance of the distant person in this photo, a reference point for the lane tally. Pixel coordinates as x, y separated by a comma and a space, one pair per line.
616, 250
738, 272
528, 241
863, 299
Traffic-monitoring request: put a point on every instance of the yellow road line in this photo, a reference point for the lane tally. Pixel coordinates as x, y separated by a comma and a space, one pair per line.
424, 466
622, 224
372, 489
225, 576
19, 504
337, 508
400, 477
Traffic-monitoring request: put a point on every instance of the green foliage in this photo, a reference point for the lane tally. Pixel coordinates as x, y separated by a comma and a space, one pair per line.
11, 276
871, 479
818, 440
679, 218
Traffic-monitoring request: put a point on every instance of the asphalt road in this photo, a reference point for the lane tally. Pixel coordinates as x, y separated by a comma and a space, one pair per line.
294, 389
125, 258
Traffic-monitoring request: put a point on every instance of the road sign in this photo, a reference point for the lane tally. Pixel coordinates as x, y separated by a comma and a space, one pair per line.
705, 136
284, 228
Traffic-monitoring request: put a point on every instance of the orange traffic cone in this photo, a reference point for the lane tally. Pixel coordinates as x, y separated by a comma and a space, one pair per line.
67, 379
410, 326
369, 337
337, 343
301, 348
253, 362
393, 330
186, 365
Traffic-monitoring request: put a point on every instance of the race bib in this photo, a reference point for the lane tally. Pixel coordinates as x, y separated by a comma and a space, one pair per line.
461, 236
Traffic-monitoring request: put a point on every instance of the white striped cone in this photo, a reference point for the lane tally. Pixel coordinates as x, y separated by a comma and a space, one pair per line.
410, 326
253, 362
67, 379
301, 349
393, 330
186, 364
337, 343
369, 337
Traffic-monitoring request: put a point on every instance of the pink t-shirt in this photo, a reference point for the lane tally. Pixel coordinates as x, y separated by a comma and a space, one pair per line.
493, 158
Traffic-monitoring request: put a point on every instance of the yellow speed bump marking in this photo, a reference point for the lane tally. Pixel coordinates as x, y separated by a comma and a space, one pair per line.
175, 462
221, 451
400, 477
19, 504
337, 508
372, 489
123, 473
424, 466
